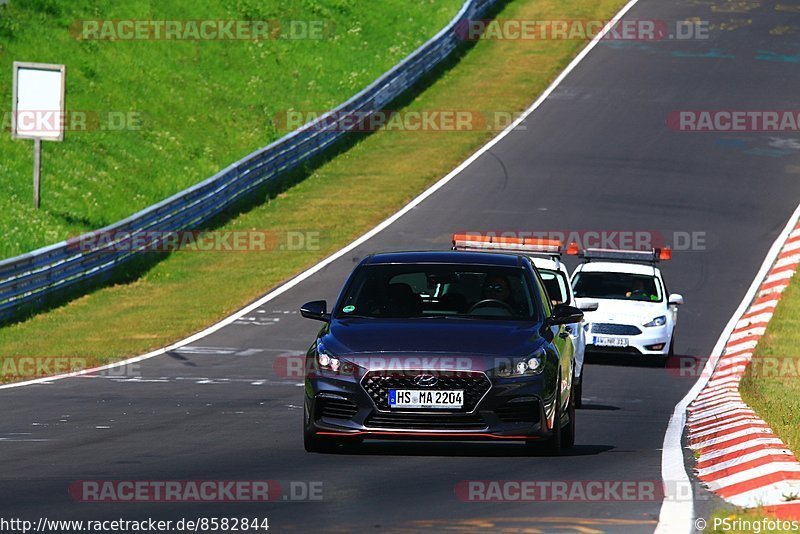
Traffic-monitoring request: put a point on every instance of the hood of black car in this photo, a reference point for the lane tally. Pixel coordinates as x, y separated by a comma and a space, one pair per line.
445, 335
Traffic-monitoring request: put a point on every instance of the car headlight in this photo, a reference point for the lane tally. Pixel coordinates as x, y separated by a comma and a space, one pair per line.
326, 360
661, 320
532, 365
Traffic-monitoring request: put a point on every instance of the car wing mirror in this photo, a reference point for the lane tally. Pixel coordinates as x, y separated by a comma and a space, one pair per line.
317, 310
589, 305
563, 314
676, 299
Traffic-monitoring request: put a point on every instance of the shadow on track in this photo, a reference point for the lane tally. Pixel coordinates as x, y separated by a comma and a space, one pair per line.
458, 449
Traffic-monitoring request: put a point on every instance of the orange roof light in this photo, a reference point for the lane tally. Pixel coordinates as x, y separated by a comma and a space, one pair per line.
573, 249
476, 241
665, 254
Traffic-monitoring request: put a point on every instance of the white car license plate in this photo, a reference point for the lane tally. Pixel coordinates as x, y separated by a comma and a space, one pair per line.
416, 398
610, 341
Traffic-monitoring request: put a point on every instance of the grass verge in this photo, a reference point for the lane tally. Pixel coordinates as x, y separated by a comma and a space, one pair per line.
355, 191
193, 106
771, 384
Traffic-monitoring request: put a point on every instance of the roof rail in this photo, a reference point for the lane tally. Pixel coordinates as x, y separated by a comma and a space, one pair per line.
487, 243
650, 257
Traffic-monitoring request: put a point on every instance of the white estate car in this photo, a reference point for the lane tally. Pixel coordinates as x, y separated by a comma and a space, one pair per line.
546, 257
626, 303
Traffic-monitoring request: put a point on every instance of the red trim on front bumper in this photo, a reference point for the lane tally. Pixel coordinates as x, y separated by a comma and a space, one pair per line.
428, 434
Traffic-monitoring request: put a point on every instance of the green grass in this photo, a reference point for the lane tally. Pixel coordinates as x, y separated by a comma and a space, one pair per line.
354, 191
200, 104
771, 386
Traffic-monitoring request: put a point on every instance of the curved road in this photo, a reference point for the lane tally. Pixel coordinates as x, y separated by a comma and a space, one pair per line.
597, 155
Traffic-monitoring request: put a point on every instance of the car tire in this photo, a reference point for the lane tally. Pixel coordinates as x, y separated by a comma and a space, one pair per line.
568, 431
664, 360
563, 436
314, 443
311, 441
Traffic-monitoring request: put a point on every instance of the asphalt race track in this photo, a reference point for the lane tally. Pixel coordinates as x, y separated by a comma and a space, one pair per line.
596, 156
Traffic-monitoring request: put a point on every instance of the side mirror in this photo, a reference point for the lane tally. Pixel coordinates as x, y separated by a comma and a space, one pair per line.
589, 305
675, 299
316, 309
563, 314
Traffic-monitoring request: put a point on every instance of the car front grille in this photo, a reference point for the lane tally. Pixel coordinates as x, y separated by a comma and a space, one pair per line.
615, 329
474, 383
426, 421
336, 408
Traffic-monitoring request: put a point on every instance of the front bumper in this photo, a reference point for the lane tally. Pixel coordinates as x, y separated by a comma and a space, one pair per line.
511, 409
652, 341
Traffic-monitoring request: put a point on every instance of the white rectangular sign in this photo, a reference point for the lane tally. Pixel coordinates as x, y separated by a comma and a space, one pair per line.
38, 101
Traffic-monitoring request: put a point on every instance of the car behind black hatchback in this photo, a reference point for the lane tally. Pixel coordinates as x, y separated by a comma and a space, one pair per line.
441, 345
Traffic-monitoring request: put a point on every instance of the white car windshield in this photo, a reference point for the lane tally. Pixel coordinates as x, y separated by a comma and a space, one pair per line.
620, 286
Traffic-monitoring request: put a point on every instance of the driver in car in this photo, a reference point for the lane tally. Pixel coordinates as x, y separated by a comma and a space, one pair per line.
496, 287
638, 292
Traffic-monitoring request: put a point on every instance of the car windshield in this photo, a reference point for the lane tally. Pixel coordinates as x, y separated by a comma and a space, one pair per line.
620, 286
434, 290
556, 285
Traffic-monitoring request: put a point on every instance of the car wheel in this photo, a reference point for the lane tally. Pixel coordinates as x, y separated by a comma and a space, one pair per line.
314, 443
579, 392
568, 430
664, 360
563, 436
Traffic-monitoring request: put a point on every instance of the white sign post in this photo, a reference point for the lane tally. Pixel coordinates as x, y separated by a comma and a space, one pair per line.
37, 109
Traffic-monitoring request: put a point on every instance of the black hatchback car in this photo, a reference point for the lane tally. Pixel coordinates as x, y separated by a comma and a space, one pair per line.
441, 345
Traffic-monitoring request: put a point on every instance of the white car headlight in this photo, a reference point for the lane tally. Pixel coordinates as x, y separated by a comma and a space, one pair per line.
532, 365
661, 320
326, 360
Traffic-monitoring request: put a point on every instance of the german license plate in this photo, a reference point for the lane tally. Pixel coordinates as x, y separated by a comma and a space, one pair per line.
610, 341
420, 398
